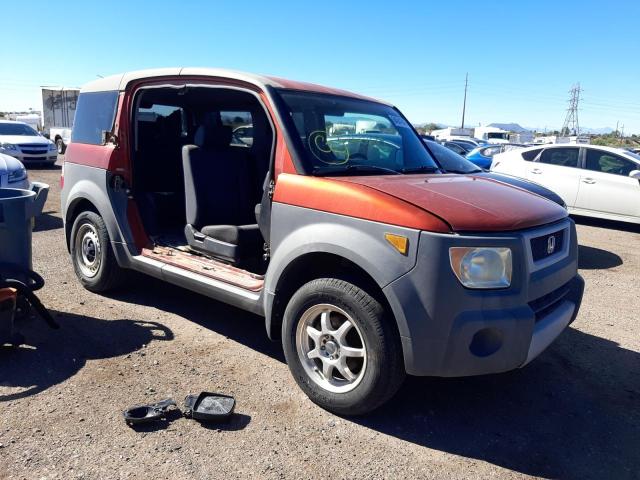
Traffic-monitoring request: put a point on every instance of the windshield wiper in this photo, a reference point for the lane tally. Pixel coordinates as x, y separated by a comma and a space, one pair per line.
420, 169
354, 168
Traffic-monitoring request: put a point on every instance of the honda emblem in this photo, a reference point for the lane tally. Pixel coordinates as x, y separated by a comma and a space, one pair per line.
551, 244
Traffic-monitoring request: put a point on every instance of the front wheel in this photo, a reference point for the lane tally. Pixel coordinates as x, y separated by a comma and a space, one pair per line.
61, 146
93, 259
341, 347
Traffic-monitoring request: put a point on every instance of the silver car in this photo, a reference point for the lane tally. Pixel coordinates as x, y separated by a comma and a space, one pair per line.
12, 173
21, 141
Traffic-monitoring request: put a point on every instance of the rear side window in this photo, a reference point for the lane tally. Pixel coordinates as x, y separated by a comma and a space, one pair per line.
95, 114
606, 162
529, 155
563, 157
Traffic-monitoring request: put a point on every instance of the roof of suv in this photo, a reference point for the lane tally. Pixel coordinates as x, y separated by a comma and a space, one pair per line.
121, 80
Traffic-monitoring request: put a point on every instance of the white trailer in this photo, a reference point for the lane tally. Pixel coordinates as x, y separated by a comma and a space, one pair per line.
58, 110
451, 133
491, 134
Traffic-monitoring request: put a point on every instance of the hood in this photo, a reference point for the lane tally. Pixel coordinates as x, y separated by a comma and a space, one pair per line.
526, 185
19, 139
467, 202
9, 164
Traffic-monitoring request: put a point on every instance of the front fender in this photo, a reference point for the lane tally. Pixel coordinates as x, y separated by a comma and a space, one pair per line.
297, 231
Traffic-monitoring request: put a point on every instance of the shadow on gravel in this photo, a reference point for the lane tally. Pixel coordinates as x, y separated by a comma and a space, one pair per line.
610, 224
53, 356
238, 421
574, 413
591, 258
47, 221
234, 323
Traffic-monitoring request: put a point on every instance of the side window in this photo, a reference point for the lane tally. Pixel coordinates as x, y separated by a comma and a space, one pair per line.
606, 162
529, 155
95, 114
563, 157
241, 124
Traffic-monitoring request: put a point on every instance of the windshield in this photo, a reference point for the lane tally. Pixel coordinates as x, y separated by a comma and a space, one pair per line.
633, 155
450, 160
503, 136
17, 129
341, 135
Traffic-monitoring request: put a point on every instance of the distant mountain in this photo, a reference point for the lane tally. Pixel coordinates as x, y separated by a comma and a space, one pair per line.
593, 131
509, 127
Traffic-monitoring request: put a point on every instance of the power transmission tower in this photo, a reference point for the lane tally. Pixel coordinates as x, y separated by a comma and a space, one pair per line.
571, 125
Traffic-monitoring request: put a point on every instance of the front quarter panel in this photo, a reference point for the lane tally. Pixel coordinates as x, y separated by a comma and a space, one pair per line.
296, 231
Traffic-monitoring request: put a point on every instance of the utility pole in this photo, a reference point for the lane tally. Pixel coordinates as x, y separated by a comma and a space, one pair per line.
464, 103
571, 123
617, 133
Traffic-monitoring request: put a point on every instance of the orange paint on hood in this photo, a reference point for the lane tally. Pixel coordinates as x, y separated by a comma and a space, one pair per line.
335, 196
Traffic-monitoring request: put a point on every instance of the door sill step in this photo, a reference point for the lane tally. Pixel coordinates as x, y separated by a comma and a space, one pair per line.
207, 267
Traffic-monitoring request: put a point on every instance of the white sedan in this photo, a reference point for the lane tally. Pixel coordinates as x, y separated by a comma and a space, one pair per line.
594, 181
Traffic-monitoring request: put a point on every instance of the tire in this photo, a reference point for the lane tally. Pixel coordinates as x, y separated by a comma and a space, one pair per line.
61, 146
93, 259
374, 364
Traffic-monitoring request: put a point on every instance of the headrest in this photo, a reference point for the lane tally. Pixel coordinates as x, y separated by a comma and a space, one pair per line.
209, 136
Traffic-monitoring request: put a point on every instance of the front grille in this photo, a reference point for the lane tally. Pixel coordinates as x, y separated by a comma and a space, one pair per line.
33, 152
547, 245
34, 159
33, 148
32, 145
544, 305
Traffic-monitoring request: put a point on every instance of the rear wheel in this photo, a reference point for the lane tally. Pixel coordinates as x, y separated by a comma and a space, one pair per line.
341, 347
93, 259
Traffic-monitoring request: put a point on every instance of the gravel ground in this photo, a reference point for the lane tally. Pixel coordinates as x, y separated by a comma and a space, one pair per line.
573, 413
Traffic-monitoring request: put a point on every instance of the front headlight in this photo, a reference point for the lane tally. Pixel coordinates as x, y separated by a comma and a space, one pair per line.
17, 175
482, 267
8, 146
52, 147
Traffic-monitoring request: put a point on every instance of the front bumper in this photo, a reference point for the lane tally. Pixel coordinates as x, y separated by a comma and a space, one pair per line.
448, 330
25, 158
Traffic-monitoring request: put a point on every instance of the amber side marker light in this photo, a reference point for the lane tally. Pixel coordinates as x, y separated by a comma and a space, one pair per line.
399, 242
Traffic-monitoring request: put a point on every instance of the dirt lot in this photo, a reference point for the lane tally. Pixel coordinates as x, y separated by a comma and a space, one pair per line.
573, 413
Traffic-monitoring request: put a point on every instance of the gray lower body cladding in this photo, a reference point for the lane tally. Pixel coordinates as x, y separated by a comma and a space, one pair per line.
455, 331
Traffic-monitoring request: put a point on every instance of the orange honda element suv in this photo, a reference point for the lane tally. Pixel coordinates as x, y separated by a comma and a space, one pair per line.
324, 212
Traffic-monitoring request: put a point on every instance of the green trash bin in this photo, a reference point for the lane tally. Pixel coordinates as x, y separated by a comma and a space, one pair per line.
18, 208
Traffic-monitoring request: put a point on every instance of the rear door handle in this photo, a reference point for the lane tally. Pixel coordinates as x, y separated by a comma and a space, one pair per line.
590, 181
536, 171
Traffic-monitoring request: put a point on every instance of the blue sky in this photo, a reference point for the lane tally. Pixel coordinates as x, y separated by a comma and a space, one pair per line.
522, 57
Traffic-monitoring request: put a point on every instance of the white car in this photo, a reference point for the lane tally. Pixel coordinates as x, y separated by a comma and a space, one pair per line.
594, 181
21, 141
12, 173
